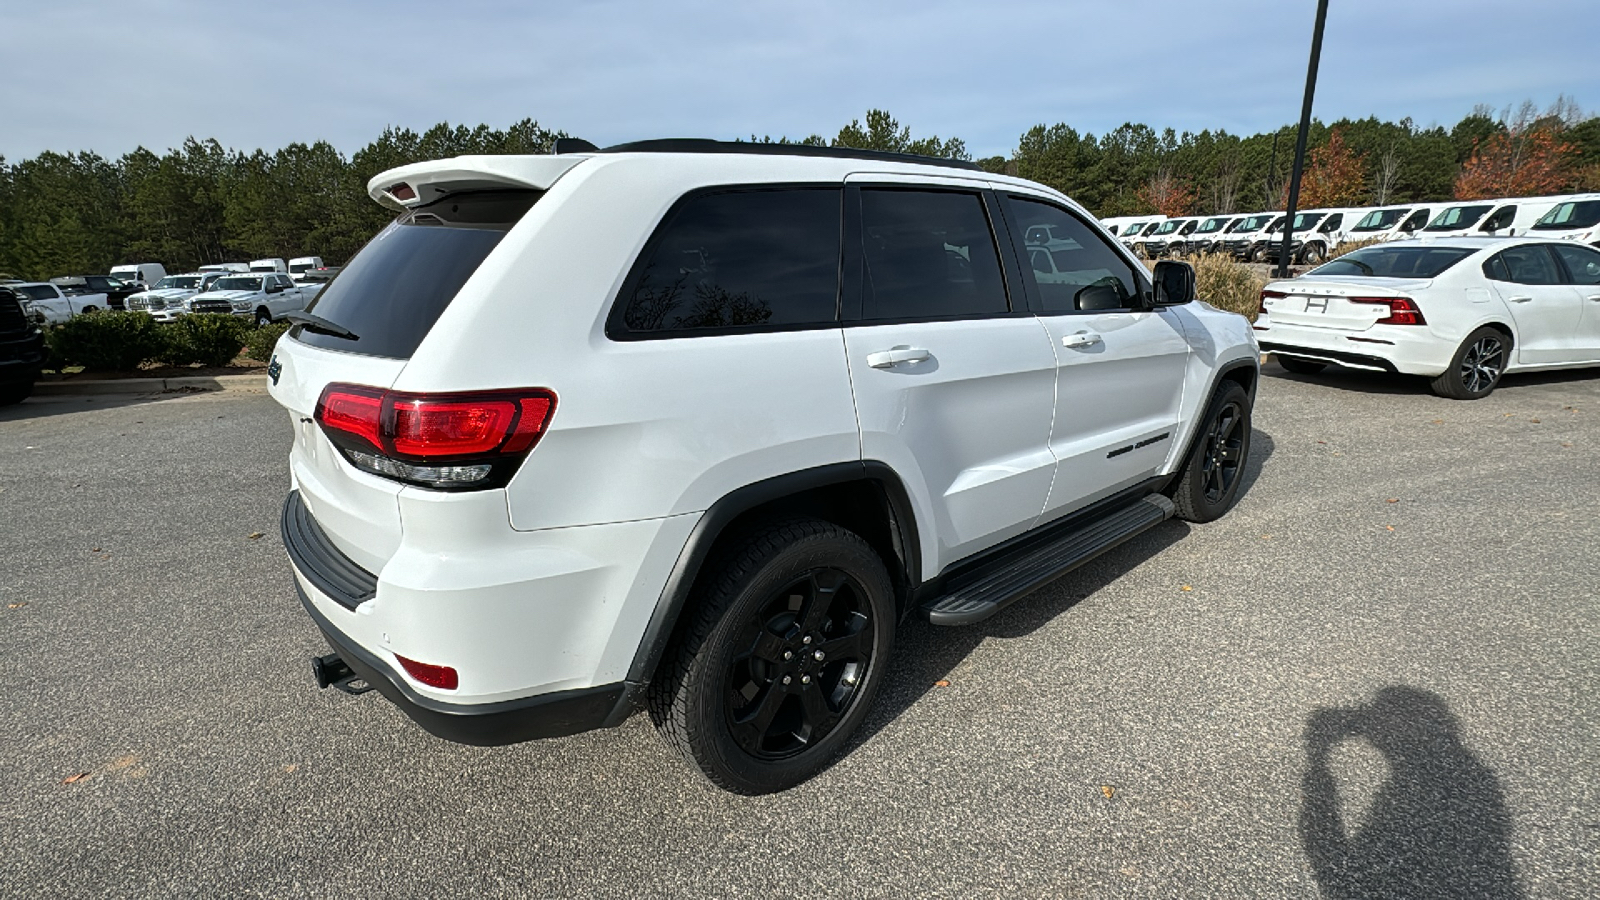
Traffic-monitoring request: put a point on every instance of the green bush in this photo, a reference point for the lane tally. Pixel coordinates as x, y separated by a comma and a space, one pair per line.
106, 341
206, 339
258, 343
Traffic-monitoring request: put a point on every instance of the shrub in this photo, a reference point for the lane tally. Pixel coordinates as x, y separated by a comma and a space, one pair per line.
258, 343
106, 341
1347, 246
1229, 285
204, 338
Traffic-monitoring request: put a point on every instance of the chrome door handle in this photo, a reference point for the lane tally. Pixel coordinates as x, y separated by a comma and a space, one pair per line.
1521, 299
1081, 339
899, 353
1595, 297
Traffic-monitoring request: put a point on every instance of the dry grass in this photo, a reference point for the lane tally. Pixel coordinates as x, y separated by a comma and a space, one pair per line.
1347, 246
1226, 284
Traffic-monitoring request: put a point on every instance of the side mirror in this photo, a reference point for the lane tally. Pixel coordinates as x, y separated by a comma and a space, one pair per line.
1174, 283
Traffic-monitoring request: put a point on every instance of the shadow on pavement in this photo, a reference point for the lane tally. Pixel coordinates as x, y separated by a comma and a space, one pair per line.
1437, 828
42, 406
1363, 381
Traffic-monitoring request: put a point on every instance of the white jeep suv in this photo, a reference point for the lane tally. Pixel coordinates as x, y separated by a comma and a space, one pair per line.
691, 426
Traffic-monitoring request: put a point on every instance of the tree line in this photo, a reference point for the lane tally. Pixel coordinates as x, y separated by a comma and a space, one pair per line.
79, 212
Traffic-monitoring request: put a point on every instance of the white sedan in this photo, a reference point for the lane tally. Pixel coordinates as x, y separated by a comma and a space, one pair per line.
1461, 311
259, 297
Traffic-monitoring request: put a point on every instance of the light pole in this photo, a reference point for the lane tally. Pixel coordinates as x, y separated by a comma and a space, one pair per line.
1300, 142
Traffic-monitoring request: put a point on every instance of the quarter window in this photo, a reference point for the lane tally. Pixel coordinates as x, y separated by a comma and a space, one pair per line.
1583, 264
741, 260
1077, 269
929, 255
1501, 218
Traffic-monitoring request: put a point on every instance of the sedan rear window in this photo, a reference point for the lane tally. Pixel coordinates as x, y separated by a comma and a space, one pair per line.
1395, 262
395, 289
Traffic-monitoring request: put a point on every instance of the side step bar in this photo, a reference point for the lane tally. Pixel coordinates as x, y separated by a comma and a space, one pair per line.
980, 594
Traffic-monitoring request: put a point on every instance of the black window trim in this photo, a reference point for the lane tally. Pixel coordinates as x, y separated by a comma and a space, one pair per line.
1141, 280
854, 306
1549, 251
616, 328
1561, 261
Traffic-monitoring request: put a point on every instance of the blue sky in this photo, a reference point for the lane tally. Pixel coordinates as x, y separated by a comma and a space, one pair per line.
110, 76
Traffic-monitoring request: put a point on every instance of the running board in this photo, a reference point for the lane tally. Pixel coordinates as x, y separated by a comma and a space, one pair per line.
995, 585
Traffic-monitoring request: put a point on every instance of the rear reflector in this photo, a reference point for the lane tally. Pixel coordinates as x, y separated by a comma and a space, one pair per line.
467, 440
1402, 310
441, 677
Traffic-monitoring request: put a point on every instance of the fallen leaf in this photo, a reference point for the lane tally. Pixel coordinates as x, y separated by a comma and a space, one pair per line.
1266, 537
1534, 421
1509, 415
1322, 442
1186, 588
16, 605
1108, 790
73, 779
1566, 444
292, 766
1390, 527
941, 683
1130, 871
255, 534
1438, 421
1392, 500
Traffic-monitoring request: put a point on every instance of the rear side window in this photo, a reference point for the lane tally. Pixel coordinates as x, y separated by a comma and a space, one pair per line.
395, 289
740, 260
929, 255
1583, 263
1077, 269
1528, 264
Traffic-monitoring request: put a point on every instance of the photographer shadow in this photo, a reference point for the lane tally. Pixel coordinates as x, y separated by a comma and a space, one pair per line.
1437, 828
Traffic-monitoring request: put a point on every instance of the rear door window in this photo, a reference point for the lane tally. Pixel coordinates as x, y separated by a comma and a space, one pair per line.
395, 289
929, 255
739, 260
1530, 264
1077, 270
1583, 263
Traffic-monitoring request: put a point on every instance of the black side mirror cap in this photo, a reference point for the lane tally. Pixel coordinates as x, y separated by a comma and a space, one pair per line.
1174, 282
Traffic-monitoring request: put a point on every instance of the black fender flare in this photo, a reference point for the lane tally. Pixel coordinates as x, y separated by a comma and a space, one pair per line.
704, 535
1253, 363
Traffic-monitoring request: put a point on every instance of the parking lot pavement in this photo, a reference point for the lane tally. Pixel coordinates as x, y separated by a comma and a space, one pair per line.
1376, 676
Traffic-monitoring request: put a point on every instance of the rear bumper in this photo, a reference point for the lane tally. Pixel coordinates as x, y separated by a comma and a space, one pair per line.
1401, 349
551, 715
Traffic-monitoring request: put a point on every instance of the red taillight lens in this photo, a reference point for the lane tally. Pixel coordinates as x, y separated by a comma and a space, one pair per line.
441, 677
1402, 310
439, 440
1270, 295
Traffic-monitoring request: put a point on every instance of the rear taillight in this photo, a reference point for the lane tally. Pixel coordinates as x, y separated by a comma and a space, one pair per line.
1270, 295
446, 441
441, 677
1402, 310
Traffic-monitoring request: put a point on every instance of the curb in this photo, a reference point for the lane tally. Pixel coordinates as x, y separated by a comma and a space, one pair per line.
151, 385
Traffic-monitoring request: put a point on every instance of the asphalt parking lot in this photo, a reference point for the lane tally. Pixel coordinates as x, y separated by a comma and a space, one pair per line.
1376, 677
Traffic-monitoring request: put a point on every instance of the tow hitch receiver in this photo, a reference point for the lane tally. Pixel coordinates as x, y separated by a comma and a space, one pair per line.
331, 671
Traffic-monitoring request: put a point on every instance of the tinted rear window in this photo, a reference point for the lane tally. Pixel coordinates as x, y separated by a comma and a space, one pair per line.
393, 291
1395, 262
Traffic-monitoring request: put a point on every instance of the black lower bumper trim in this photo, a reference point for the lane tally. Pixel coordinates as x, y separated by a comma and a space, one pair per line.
333, 573
1339, 356
489, 724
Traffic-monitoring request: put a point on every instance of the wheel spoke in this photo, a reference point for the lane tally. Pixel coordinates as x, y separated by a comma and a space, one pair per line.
1226, 425
819, 715
760, 719
824, 587
856, 645
769, 647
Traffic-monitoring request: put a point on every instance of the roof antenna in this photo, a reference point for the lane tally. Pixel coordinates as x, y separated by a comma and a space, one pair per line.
572, 145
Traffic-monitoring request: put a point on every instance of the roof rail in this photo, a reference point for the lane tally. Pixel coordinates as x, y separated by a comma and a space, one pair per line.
705, 145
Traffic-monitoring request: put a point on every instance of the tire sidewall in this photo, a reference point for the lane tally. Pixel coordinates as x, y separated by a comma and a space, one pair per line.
1451, 381
705, 712
1192, 485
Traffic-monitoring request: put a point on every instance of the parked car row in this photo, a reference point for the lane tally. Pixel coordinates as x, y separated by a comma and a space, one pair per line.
1316, 233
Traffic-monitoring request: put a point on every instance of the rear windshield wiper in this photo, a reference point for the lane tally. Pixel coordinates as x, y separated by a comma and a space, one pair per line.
316, 323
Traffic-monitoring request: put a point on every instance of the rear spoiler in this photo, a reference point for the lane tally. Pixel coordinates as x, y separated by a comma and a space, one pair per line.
413, 185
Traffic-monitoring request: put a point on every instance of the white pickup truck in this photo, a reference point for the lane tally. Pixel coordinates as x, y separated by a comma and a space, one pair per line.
49, 304
261, 297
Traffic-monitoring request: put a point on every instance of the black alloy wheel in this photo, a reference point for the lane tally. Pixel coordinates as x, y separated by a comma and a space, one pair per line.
1475, 370
806, 651
786, 641
263, 318
1209, 485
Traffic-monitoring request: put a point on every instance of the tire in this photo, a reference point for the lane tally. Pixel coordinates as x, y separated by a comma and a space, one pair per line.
1312, 254
796, 587
263, 318
1253, 255
1300, 366
1209, 484
1476, 368
12, 394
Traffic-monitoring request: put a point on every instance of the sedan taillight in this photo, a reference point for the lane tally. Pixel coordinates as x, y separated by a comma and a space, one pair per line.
447, 441
1402, 310
1270, 295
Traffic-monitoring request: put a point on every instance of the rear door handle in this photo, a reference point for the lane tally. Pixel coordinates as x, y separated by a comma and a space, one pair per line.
899, 353
1521, 299
1081, 339
1595, 297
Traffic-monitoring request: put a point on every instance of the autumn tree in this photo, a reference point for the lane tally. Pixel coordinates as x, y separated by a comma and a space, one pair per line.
1527, 164
1335, 175
1167, 193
